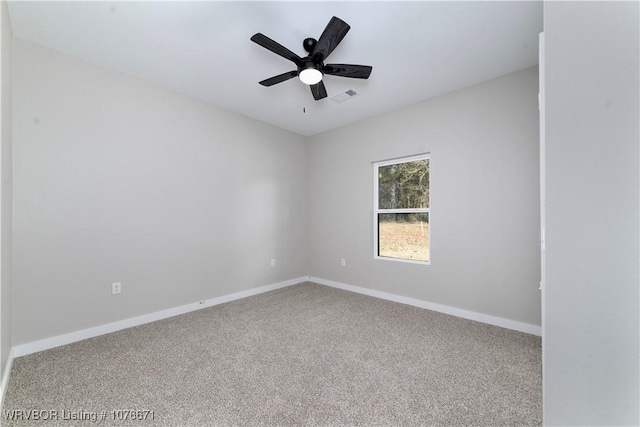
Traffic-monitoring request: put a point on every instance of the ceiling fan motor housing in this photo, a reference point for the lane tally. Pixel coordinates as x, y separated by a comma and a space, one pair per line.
309, 64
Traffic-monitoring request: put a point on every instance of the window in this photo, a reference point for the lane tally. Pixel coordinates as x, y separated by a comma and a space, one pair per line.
401, 209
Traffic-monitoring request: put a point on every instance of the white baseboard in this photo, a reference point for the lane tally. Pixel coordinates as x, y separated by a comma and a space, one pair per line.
5, 377
48, 343
465, 314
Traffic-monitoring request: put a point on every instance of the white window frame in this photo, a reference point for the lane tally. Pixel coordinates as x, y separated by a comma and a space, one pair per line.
377, 211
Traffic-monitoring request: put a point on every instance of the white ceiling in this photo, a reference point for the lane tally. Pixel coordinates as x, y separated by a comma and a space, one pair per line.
418, 50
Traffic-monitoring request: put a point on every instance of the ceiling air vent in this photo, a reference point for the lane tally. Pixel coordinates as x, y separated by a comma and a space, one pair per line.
344, 96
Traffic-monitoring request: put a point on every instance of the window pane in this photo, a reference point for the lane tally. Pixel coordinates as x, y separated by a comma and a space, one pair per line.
404, 185
404, 236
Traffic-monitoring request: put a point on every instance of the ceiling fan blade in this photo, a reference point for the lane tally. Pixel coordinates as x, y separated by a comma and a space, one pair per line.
348, 70
319, 91
279, 78
332, 35
276, 48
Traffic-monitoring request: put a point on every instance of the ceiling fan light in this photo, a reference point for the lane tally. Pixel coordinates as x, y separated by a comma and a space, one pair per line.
310, 76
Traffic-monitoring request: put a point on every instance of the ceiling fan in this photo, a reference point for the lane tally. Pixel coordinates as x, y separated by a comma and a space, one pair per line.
312, 68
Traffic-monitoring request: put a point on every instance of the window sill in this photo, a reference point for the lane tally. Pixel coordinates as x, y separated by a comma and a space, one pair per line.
408, 261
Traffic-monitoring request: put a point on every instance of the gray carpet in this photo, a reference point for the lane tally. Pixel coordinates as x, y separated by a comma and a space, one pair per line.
302, 355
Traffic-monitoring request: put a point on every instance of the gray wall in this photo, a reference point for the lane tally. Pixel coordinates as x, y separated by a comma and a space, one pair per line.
591, 344
116, 179
6, 39
484, 143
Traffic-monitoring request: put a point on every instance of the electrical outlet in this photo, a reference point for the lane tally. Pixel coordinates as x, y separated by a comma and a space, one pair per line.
116, 288
343, 262
273, 263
